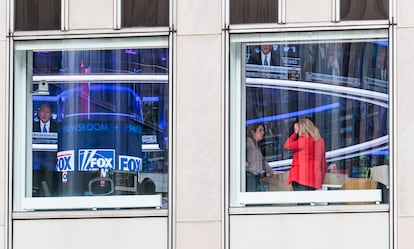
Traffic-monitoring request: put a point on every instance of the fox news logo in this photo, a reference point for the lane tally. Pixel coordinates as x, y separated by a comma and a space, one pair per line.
65, 161
93, 159
130, 163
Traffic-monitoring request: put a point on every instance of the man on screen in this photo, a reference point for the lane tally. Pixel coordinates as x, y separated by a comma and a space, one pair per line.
266, 57
45, 123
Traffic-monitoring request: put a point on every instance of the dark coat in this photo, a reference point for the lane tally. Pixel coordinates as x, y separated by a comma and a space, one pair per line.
256, 58
53, 126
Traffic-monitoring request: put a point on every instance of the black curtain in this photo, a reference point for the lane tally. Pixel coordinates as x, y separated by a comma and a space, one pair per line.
364, 9
37, 15
253, 11
145, 13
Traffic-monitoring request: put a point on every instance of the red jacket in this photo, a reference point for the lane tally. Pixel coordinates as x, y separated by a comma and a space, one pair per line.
308, 162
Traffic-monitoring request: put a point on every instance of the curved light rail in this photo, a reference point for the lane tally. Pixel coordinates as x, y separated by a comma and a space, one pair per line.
376, 98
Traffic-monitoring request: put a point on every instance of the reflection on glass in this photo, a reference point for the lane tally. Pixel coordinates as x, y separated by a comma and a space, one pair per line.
100, 137
342, 87
120, 61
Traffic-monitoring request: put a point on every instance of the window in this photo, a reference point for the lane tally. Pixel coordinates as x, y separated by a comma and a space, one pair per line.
336, 80
37, 15
91, 122
145, 13
260, 11
364, 9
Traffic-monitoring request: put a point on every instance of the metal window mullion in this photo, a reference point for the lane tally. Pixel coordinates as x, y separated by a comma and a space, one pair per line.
226, 14
172, 12
117, 14
12, 17
336, 11
392, 12
392, 120
171, 133
281, 17
64, 15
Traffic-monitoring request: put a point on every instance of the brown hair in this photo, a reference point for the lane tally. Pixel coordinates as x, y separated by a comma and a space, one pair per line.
252, 128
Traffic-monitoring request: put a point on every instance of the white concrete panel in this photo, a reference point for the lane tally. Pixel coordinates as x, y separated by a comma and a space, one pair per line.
299, 11
91, 233
3, 133
3, 22
199, 115
405, 119
199, 17
405, 232
3, 203
404, 13
3, 237
204, 235
91, 14
311, 231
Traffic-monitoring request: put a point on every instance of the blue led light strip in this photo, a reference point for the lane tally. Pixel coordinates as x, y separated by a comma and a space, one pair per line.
293, 114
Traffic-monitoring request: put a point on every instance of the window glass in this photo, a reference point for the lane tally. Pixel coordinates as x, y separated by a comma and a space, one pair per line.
145, 13
96, 126
260, 11
314, 114
364, 9
37, 15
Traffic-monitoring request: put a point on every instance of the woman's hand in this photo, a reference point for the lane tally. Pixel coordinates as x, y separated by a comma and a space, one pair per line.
247, 164
296, 128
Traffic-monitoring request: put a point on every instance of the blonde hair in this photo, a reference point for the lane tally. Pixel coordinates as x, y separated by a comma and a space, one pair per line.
306, 126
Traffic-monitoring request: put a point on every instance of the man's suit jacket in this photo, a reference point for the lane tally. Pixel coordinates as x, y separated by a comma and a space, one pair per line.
256, 58
53, 126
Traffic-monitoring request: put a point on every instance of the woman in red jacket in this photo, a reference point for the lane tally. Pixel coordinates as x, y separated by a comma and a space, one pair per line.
309, 156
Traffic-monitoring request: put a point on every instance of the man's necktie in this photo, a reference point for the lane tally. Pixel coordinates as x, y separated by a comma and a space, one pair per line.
266, 62
44, 129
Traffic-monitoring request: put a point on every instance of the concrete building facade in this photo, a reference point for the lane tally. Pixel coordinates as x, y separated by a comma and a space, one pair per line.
199, 212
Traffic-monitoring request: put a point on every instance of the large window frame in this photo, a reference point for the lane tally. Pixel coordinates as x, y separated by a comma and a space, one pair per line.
22, 146
238, 196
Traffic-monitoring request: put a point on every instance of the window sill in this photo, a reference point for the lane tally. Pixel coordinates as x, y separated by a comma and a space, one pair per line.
309, 209
126, 213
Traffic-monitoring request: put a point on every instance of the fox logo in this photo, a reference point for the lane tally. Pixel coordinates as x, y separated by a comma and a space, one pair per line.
130, 163
65, 161
93, 159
